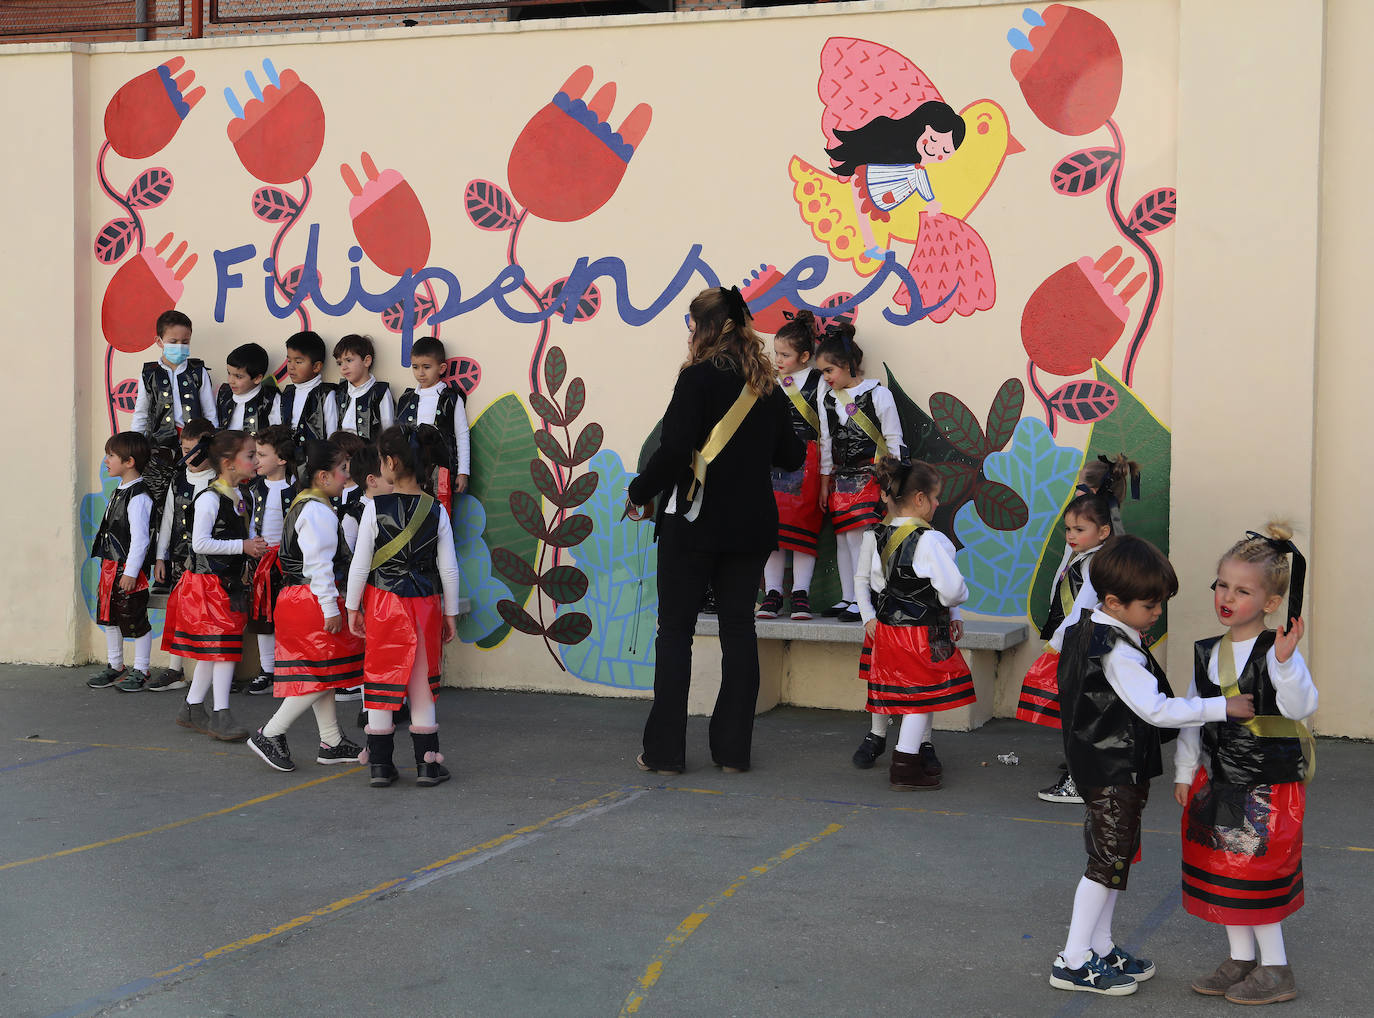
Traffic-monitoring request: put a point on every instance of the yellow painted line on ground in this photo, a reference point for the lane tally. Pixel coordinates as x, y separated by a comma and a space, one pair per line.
179, 823
654, 970
386, 885
116, 745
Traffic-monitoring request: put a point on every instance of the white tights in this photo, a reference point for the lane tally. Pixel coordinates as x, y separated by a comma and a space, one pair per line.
915, 730
803, 568
1091, 927
267, 653
846, 557
422, 715
114, 649
1269, 940
292, 707
219, 674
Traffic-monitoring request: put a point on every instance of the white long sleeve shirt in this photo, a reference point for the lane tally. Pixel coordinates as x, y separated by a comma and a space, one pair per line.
350, 525
883, 404
273, 517
200, 480
1292, 681
1128, 673
365, 545
934, 559
386, 407
317, 531
203, 525
142, 422
428, 408
303, 390
235, 421
1085, 601
140, 536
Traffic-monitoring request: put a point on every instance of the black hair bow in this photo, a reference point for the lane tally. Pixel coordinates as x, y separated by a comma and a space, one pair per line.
1297, 576
198, 453
736, 305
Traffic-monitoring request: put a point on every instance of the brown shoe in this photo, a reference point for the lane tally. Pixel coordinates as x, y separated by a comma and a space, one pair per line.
1228, 974
1266, 984
906, 774
225, 728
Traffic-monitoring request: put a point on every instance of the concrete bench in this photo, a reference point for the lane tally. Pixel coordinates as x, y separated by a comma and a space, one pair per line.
816, 664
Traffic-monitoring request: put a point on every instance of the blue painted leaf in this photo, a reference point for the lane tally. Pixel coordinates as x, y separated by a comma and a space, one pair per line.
478, 584
620, 561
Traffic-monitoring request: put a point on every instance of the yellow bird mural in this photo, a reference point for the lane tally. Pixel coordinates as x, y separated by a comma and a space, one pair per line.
904, 167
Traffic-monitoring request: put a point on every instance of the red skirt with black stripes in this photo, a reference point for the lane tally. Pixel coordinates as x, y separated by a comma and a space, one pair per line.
200, 624
1039, 703
308, 658
913, 673
798, 495
395, 626
850, 510
1242, 851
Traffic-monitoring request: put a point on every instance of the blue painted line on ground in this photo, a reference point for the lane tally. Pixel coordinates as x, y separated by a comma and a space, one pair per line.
45, 759
1157, 917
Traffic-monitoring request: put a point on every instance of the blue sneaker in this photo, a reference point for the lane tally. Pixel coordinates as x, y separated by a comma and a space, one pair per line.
1096, 976
1139, 969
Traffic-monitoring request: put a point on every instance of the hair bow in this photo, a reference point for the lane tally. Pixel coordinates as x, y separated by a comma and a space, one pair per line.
837, 331
197, 453
1297, 574
736, 305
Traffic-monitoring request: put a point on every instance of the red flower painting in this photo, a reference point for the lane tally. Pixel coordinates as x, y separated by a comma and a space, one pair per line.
1076, 315
147, 111
1069, 69
388, 219
278, 134
143, 288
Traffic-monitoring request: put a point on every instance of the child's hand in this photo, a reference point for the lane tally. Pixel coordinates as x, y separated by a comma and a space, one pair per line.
450, 628
254, 547
334, 624
1287, 641
825, 491
127, 583
956, 630
1241, 708
1181, 794
460, 483
871, 628
160, 570
355, 623
639, 512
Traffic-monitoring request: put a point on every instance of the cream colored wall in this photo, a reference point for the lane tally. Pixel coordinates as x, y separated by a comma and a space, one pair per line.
444, 107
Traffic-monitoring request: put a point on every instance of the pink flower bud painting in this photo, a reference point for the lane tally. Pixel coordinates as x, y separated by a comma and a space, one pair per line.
147, 111
144, 287
1076, 316
388, 219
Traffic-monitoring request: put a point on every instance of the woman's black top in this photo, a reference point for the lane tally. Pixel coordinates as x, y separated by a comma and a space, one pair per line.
739, 513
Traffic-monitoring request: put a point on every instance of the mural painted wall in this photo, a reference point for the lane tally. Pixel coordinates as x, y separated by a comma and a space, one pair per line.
547, 201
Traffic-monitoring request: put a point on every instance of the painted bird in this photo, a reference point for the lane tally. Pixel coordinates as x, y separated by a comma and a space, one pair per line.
904, 167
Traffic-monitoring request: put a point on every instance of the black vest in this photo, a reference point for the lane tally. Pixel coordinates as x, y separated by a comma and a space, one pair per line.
312, 423
807, 390
1105, 742
292, 559
352, 505
113, 538
162, 423
908, 599
183, 494
257, 500
408, 409
368, 409
851, 450
414, 571
228, 526
1074, 576
1238, 756
255, 410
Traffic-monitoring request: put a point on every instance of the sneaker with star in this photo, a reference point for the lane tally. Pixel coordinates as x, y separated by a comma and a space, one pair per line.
1063, 790
1139, 969
1095, 976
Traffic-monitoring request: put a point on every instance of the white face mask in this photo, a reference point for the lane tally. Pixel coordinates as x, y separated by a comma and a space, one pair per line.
176, 353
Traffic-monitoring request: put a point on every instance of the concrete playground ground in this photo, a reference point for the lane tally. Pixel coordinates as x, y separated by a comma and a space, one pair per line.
148, 870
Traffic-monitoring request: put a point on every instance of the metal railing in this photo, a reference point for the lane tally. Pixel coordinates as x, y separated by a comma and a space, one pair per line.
43, 17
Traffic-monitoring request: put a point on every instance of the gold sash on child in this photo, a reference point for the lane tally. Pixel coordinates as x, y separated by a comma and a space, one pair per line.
866, 425
392, 548
898, 535
1265, 726
716, 441
803, 407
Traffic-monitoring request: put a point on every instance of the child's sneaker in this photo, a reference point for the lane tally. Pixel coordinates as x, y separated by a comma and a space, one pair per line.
869, 750
1096, 976
344, 752
104, 678
801, 606
1139, 969
167, 679
273, 751
260, 686
352, 693
132, 682
770, 606
1063, 790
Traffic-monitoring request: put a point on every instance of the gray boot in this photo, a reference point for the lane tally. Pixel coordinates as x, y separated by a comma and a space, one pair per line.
1266, 984
193, 716
225, 728
1228, 974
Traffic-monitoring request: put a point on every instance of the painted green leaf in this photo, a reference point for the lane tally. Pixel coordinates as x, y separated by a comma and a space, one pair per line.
513, 568
577, 399
528, 513
518, 618
579, 491
651, 444
1005, 412
570, 532
957, 423
502, 443
544, 480
555, 369
549, 446
570, 628
999, 506
587, 443
545, 408
564, 584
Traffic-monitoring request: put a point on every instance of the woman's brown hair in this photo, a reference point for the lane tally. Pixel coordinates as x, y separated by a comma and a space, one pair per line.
724, 337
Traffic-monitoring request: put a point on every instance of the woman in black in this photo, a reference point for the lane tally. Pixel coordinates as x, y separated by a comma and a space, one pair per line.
718, 526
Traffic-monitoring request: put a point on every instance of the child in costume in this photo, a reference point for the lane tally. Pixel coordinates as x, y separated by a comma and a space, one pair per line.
351, 445
909, 590
269, 495
797, 492
307, 405
434, 401
1243, 809
403, 562
365, 471
364, 404
859, 425
317, 654
244, 403
209, 607
121, 543
1113, 701
174, 533
174, 388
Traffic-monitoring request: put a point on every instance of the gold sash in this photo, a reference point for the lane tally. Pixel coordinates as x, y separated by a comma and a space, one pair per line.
716, 441
307, 495
803, 407
1265, 726
898, 535
392, 548
866, 425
